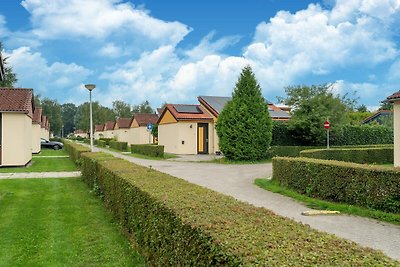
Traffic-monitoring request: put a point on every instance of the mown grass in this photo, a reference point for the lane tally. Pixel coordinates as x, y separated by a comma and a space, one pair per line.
135, 155
51, 152
43, 164
224, 160
57, 222
314, 203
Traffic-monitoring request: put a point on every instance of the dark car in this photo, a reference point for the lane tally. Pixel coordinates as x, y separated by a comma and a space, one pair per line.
50, 144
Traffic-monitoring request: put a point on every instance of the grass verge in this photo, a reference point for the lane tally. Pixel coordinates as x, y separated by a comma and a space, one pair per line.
314, 203
51, 153
135, 155
224, 160
42, 164
57, 222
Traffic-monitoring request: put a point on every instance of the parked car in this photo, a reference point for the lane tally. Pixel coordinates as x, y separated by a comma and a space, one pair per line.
50, 144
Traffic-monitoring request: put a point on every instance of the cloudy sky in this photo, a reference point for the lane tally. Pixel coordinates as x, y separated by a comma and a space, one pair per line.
172, 51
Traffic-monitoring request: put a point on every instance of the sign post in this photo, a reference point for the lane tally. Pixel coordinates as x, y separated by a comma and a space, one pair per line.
149, 128
327, 125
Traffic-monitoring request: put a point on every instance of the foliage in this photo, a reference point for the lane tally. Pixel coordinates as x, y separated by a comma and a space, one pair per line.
386, 106
101, 114
154, 130
74, 150
107, 140
10, 78
68, 111
311, 106
362, 135
357, 117
52, 109
362, 108
122, 146
244, 126
51, 222
176, 223
121, 109
282, 135
338, 181
149, 150
375, 155
101, 143
288, 151
143, 108
315, 203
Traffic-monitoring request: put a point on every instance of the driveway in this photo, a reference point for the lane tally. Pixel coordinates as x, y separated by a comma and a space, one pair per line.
238, 181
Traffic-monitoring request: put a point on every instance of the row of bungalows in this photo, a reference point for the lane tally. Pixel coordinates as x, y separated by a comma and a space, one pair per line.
21, 126
190, 129
131, 130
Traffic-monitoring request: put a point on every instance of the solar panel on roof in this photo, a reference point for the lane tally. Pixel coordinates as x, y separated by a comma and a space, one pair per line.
187, 109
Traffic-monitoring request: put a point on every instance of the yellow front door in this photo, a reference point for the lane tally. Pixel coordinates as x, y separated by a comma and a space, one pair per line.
202, 138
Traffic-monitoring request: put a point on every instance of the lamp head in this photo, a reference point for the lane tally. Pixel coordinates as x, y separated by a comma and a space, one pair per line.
90, 87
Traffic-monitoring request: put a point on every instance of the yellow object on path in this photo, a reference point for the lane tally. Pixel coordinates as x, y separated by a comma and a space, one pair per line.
319, 212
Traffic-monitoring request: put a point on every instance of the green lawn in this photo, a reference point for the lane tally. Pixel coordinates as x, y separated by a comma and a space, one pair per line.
135, 155
42, 164
57, 222
51, 152
314, 203
224, 160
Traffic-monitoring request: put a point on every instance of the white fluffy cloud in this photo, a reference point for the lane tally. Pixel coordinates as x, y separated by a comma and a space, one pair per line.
35, 72
99, 19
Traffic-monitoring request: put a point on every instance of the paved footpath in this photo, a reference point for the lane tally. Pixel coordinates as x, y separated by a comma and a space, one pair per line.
238, 181
23, 175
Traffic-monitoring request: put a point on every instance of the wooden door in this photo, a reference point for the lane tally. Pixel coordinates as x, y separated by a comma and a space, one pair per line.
202, 138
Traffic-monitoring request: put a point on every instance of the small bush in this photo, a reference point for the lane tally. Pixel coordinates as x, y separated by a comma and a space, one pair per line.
176, 223
372, 155
101, 143
122, 146
107, 140
75, 150
86, 141
148, 150
351, 183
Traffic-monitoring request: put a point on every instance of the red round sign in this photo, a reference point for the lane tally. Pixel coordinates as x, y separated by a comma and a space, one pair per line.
326, 125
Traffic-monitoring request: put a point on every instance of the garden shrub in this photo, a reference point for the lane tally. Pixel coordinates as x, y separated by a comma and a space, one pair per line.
74, 150
149, 150
282, 136
122, 146
176, 223
375, 155
363, 135
101, 143
338, 181
107, 140
288, 151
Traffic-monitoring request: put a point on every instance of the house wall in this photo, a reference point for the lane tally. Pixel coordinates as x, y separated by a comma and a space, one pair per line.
98, 135
36, 134
43, 133
122, 135
16, 139
171, 136
109, 134
139, 135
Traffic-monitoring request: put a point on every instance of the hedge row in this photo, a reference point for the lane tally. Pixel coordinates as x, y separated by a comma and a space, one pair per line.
107, 140
351, 183
372, 155
74, 150
100, 143
176, 223
122, 146
149, 150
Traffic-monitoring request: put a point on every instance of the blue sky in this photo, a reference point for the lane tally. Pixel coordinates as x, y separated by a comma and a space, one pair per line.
173, 51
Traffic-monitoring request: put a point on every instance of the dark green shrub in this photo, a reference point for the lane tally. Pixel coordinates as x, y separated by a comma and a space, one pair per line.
376, 155
351, 183
244, 126
282, 136
107, 140
86, 141
101, 143
176, 223
149, 150
56, 139
363, 135
74, 150
122, 146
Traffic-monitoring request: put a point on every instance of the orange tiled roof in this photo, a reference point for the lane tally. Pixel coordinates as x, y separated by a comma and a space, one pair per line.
16, 100
124, 122
99, 128
144, 119
37, 115
109, 125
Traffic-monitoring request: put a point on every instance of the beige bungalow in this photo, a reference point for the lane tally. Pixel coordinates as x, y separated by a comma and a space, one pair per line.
214, 105
98, 131
16, 112
122, 128
43, 133
185, 129
81, 134
138, 133
36, 130
47, 128
109, 129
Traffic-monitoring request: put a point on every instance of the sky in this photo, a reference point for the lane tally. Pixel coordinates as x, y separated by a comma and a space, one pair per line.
173, 51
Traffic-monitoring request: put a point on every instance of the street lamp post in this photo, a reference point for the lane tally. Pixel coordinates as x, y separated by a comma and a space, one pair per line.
90, 87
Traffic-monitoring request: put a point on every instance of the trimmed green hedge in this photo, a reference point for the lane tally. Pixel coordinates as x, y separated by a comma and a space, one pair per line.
288, 151
363, 135
338, 181
101, 143
74, 150
372, 155
122, 146
149, 150
107, 140
176, 223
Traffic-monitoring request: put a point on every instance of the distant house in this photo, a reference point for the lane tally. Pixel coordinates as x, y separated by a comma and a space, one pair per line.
44, 127
36, 130
109, 129
379, 117
186, 129
16, 112
138, 133
98, 131
2, 68
121, 129
81, 133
